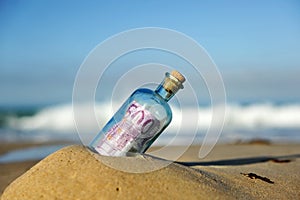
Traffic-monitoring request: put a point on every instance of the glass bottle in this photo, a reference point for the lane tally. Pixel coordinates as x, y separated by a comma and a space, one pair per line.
140, 120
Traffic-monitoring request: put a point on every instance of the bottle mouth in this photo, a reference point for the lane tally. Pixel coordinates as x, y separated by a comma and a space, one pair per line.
173, 81
176, 74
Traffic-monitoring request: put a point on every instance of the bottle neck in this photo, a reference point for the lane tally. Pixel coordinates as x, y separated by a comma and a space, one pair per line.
169, 86
161, 91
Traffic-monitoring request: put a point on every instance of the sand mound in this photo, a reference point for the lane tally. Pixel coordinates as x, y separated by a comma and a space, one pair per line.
74, 173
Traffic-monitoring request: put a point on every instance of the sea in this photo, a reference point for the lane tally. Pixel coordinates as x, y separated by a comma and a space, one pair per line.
242, 122
267, 122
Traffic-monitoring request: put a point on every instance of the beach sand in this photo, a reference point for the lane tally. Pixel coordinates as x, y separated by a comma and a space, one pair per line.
230, 171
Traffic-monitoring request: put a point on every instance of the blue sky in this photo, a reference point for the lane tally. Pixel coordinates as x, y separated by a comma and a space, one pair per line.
255, 44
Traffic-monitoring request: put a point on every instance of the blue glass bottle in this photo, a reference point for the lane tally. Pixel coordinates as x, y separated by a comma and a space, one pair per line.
140, 120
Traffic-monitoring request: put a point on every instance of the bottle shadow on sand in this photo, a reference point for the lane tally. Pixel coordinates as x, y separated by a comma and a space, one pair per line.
243, 161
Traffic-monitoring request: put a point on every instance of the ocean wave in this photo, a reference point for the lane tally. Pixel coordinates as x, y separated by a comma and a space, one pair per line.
60, 118
266, 115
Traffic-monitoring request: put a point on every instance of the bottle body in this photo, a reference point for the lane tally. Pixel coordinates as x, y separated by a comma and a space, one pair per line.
135, 126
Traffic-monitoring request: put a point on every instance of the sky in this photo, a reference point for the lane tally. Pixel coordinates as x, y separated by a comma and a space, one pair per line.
255, 44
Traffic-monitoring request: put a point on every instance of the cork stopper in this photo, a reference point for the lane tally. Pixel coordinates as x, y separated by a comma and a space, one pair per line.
178, 76
173, 81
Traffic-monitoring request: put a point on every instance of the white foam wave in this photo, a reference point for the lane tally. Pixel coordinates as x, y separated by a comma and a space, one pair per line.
258, 116
60, 118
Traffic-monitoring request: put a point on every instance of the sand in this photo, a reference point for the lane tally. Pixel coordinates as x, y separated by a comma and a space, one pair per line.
236, 171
